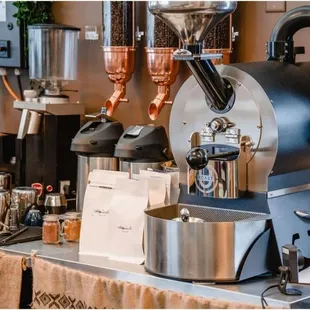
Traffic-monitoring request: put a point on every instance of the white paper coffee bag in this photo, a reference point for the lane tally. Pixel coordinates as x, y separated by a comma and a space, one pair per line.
126, 221
94, 230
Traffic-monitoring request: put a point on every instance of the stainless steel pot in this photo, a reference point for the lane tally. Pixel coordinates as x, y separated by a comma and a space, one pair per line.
25, 197
228, 246
5, 181
55, 203
85, 166
53, 52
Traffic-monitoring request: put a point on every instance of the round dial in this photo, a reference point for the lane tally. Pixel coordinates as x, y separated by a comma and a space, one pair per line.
218, 124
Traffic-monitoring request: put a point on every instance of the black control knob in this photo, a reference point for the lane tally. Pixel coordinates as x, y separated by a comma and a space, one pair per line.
197, 158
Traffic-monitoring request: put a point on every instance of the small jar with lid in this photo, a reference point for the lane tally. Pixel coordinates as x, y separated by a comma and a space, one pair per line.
51, 229
71, 227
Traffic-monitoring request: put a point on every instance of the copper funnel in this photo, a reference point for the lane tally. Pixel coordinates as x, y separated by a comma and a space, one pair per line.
163, 71
119, 62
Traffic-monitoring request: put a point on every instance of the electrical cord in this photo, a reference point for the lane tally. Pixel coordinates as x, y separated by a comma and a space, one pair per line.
263, 301
6, 84
8, 87
19, 82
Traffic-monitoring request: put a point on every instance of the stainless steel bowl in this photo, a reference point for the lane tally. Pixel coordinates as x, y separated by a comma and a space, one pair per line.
218, 249
55, 203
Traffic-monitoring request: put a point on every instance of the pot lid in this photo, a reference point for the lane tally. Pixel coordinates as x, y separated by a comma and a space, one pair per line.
97, 137
53, 26
144, 143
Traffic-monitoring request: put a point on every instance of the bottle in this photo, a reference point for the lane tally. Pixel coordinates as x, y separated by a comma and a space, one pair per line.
51, 229
71, 227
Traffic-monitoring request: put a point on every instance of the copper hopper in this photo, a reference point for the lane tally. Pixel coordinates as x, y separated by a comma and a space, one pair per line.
119, 65
163, 69
118, 48
191, 21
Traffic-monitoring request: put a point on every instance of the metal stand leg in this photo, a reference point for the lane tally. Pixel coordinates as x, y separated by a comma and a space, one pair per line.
284, 278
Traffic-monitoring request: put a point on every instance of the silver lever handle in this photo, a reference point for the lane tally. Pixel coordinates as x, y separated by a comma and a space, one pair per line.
303, 214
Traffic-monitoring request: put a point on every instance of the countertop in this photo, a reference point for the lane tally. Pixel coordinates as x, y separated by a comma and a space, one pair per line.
67, 254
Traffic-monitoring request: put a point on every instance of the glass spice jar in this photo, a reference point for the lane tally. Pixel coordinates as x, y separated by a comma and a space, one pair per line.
51, 229
71, 226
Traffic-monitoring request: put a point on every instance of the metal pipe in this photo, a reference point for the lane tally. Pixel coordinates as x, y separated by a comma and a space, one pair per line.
218, 91
211, 82
290, 23
112, 103
9, 89
158, 103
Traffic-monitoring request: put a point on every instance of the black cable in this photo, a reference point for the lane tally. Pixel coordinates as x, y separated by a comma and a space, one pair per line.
263, 301
20, 87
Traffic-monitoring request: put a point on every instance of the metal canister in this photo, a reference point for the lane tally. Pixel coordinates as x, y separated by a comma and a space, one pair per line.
86, 164
14, 217
55, 203
143, 147
5, 181
56, 58
4, 206
135, 167
94, 144
24, 197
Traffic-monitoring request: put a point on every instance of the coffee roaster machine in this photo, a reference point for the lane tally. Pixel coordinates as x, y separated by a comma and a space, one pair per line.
240, 136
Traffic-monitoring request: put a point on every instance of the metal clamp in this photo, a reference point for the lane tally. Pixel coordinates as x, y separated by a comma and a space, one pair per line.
232, 135
281, 51
234, 34
139, 34
284, 279
100, 116
186, 55
207, 134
